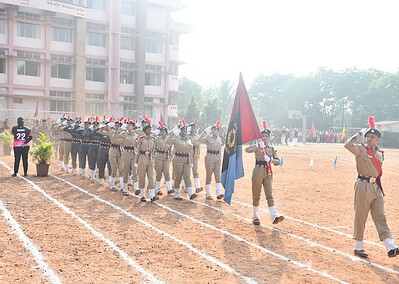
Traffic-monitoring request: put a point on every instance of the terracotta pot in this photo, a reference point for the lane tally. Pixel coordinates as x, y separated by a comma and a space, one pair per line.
42, 170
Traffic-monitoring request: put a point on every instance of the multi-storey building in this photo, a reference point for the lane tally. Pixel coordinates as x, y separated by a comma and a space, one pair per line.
80, 57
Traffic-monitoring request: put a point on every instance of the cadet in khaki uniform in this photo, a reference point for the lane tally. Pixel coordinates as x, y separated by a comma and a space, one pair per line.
368, 189
67, 145
262, 175
193, 136
60, 133
213, 160
129, 139
145, 162
114, 154
162, 160
182, 159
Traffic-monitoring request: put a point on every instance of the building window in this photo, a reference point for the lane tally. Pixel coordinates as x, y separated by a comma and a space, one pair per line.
148, 100
61, 34
127, 43
61, 106
61, 71
126, 77
63, 22
28, 68
148, 110
152, 79
28, 30
162, 101
127, 65
128, 8
95, 61
153, 67
96, 27
28, 16
95, 74
17, 100
129, 31
154, 46
91, 107
28, 54
2, 26
129, 110
2, 65
96, 39
62, 58
131, 99
96, 4
95, 96
60, 94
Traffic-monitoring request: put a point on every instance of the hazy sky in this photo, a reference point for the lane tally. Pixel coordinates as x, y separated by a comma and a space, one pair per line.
287, 36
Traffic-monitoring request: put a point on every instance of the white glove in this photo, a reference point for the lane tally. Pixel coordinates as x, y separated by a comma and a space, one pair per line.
176, 131
138, 124
64, 122
363, 132
267, 158
91, 127
124, 126
58, 121
111, 124
189, 129
156, 132
261, 144
208, 130
136, 165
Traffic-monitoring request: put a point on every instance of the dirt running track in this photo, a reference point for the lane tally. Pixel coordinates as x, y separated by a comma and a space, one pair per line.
84, 233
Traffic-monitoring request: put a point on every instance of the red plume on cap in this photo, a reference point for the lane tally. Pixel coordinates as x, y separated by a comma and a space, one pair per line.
121, 119
128, 119
161, 124
97, 119
124, 120
80, 118
217, 124
104, 117
196, 121
92, 114
111, 119
88, 119
148, 120
183, 122
135, 121
143, 116
372, 122
63, 115
69, 116
264, 124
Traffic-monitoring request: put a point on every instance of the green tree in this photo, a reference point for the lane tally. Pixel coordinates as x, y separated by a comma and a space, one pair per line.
188, 89
192, 112
212, 113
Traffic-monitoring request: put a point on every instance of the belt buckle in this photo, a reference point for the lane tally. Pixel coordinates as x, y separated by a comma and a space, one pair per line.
373, 180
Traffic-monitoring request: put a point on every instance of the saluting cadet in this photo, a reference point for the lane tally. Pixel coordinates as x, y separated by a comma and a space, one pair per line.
103, 153
129, 139
75, 131
145, 161
84, 148
182, 159
262, 174
114, 155
214, 144
193, 136
61, 144
22, 137
93, 148
368, 189
67, 144
162, 160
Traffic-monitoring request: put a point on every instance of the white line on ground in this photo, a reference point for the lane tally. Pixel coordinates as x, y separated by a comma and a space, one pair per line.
159, 231
112, 245
29, 245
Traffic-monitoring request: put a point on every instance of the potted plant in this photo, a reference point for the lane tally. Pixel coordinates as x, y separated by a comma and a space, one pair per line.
42, 152
8, 140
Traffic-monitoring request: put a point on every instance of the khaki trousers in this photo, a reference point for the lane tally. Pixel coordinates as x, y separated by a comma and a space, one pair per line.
146, 167
261, 177
128, 159
182, 170
67, 152
212, 166
162, 166
61, 150
195, 167
368, 197
115, 159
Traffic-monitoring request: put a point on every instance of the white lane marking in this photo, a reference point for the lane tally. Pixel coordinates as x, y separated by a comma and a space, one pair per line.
29, 245
309, 242
163, 233
312, 225
112, 245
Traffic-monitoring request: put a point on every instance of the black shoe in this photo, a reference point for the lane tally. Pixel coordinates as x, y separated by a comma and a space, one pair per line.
197, 190
361, 253
171, 191
155, 198
25, 175
14, 175
278, 219
393, 252
159, 193
193, 196
143, 199
137, 192
256, 221
220, 196
178, 198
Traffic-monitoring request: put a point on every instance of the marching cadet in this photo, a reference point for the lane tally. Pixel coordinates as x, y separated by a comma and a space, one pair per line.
262, 174
114, 155
75, 131
214, 144
93, 148
162, 160
60, 133
145, 162
368, 189
84, 148
129, 139
193, 136
103, 154
182, 159
67, 144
